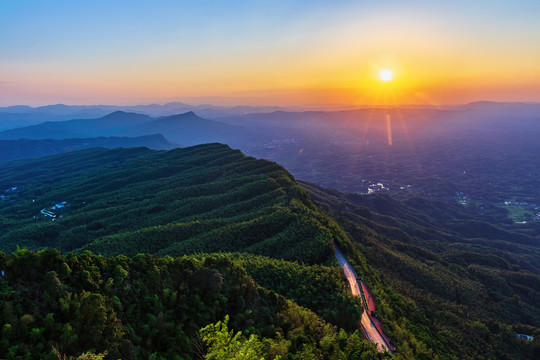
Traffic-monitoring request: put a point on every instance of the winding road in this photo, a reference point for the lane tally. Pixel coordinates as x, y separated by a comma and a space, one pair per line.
371, 332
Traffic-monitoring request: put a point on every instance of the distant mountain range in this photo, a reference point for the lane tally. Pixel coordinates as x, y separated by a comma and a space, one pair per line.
22, 115
107, 125
493, 105
185, 129
24, 148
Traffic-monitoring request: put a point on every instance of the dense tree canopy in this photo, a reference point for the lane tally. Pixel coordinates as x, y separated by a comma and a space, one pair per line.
203, 245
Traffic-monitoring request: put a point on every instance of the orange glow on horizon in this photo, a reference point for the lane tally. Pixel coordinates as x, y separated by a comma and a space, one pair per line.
320, 55
412, 82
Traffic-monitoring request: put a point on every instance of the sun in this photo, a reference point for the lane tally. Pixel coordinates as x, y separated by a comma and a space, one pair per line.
385, 75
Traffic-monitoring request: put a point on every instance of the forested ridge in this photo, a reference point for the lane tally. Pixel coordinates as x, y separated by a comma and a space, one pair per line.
127, 201
136, 253
125, 204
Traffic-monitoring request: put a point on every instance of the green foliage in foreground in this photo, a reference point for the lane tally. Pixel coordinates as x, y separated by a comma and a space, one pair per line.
225, 344
148, 307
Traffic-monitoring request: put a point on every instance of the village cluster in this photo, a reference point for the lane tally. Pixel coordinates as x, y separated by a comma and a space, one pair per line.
53, 212
9, 192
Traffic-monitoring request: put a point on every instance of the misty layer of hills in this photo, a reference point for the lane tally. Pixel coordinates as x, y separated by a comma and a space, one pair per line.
21, 115
482, 151
186, 129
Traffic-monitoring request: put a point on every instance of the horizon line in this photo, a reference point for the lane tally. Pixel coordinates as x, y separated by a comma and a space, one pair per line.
329, 106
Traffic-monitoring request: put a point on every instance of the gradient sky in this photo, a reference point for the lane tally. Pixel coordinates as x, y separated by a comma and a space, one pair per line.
268, 52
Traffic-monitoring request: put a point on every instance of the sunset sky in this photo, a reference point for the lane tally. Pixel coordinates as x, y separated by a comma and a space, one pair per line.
268, 52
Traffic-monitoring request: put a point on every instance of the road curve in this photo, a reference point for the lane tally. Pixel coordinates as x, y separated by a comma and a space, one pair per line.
371, 332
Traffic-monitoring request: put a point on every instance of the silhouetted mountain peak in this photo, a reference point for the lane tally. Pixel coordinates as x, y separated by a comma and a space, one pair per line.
117, 114
125, 118
188, 116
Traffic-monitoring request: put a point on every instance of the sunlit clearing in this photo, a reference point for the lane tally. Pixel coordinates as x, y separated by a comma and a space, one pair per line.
385, 75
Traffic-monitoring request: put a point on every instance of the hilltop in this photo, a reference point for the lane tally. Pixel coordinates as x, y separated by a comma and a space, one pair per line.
204, 198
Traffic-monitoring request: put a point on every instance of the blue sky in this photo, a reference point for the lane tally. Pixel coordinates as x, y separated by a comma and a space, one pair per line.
137, 51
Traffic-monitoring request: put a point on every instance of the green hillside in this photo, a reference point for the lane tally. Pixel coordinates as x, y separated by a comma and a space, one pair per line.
465, 286
205, 198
